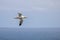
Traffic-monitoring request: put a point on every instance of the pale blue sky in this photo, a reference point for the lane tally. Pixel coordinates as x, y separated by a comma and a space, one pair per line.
40, 13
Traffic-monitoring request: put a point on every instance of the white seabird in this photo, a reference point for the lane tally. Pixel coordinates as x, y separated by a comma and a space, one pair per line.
20, 17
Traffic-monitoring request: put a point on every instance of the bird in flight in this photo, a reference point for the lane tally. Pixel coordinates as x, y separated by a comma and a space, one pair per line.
20, 17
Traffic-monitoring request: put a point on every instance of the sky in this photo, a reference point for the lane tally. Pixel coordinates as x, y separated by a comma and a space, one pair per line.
40, 13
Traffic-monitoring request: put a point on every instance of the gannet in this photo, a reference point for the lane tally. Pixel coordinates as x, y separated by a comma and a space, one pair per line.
20, 17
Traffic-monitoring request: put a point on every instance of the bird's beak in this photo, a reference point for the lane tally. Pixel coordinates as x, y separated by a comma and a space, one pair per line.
25, 17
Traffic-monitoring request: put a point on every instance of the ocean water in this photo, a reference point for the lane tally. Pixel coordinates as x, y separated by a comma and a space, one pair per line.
29, 33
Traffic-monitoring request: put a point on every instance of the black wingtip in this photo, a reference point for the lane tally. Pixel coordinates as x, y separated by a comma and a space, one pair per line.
19, 24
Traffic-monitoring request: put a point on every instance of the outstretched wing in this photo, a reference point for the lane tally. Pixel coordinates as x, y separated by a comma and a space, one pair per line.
19, 14
20, 22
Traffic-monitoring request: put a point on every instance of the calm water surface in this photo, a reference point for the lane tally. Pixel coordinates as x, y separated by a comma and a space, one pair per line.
29, 33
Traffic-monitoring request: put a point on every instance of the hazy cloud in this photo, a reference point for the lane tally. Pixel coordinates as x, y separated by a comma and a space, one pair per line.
29, 4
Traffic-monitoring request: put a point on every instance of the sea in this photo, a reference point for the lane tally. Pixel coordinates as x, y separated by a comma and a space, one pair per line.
29, 33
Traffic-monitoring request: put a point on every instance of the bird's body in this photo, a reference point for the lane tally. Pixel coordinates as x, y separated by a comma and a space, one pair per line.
20, 17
